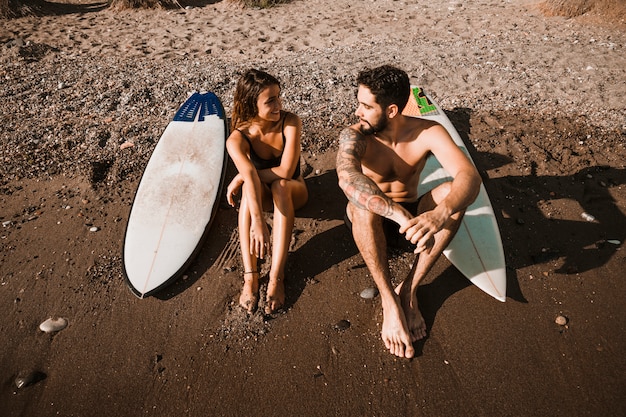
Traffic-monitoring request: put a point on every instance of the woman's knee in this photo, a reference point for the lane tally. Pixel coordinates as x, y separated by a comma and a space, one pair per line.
281, 187
281, 190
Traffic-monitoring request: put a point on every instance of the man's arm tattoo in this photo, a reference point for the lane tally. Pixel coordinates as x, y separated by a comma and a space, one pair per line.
360, 189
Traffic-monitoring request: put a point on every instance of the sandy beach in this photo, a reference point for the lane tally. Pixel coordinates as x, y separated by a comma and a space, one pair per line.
539, 102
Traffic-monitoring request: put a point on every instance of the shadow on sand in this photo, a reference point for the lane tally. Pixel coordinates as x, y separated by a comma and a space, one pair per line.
529, 237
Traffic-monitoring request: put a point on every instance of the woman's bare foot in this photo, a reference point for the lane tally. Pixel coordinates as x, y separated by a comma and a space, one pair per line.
394, 332
275, 295
414, 319
249, 298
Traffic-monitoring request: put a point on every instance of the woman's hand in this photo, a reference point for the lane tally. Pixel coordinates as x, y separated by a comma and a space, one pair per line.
233, 189
259, 239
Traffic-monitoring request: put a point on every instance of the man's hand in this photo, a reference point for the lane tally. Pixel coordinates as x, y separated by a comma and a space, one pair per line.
421, 230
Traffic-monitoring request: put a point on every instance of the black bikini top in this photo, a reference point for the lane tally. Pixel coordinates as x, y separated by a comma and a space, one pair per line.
260, 163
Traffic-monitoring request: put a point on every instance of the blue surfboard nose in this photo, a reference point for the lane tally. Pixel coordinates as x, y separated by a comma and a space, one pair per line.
199, 106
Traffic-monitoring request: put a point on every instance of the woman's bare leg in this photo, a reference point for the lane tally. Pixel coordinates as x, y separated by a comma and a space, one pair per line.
249, 297
287, 195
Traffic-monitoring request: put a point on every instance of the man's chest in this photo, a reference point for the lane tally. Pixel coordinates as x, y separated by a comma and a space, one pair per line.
383, 163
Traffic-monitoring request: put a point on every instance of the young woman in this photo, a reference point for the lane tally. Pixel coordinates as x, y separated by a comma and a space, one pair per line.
265, 147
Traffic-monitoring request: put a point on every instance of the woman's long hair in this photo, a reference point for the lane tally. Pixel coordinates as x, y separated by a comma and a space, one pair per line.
249, 87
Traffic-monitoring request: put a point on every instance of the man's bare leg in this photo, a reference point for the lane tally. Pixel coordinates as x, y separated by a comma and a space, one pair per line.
407, 290
367, 231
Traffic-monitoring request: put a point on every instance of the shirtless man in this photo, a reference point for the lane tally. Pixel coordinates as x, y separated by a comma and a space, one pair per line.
379, 162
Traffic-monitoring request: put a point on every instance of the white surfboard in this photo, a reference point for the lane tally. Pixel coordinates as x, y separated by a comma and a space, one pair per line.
177, 197
476, 250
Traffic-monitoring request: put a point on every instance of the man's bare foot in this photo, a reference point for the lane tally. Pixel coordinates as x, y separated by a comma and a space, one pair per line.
414, 319
249, 298
275, 295
394, 333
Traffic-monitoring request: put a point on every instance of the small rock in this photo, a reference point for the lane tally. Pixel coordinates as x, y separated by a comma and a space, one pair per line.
24, 379
126, 145
53, 325
369, 293
588, 217
561, 320
342, 325
94, 228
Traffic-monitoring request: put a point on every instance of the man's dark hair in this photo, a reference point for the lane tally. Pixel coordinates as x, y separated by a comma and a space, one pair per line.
390, 85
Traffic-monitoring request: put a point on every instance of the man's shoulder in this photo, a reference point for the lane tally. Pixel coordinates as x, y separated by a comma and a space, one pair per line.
351, 133
421, 124
424, 129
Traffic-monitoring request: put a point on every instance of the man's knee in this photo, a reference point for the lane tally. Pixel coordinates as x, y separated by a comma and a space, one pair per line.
434, 197
361, 217
440, 192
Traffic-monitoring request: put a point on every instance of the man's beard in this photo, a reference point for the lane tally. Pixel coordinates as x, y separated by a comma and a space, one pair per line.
378, 126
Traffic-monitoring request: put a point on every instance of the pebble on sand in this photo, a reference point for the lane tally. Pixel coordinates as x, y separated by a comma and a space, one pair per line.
588, 217
24, 379
126, 145
342, 325
53, 325
369, 293
561, 320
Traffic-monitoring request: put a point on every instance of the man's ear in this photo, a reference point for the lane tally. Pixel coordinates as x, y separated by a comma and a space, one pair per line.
392, 111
